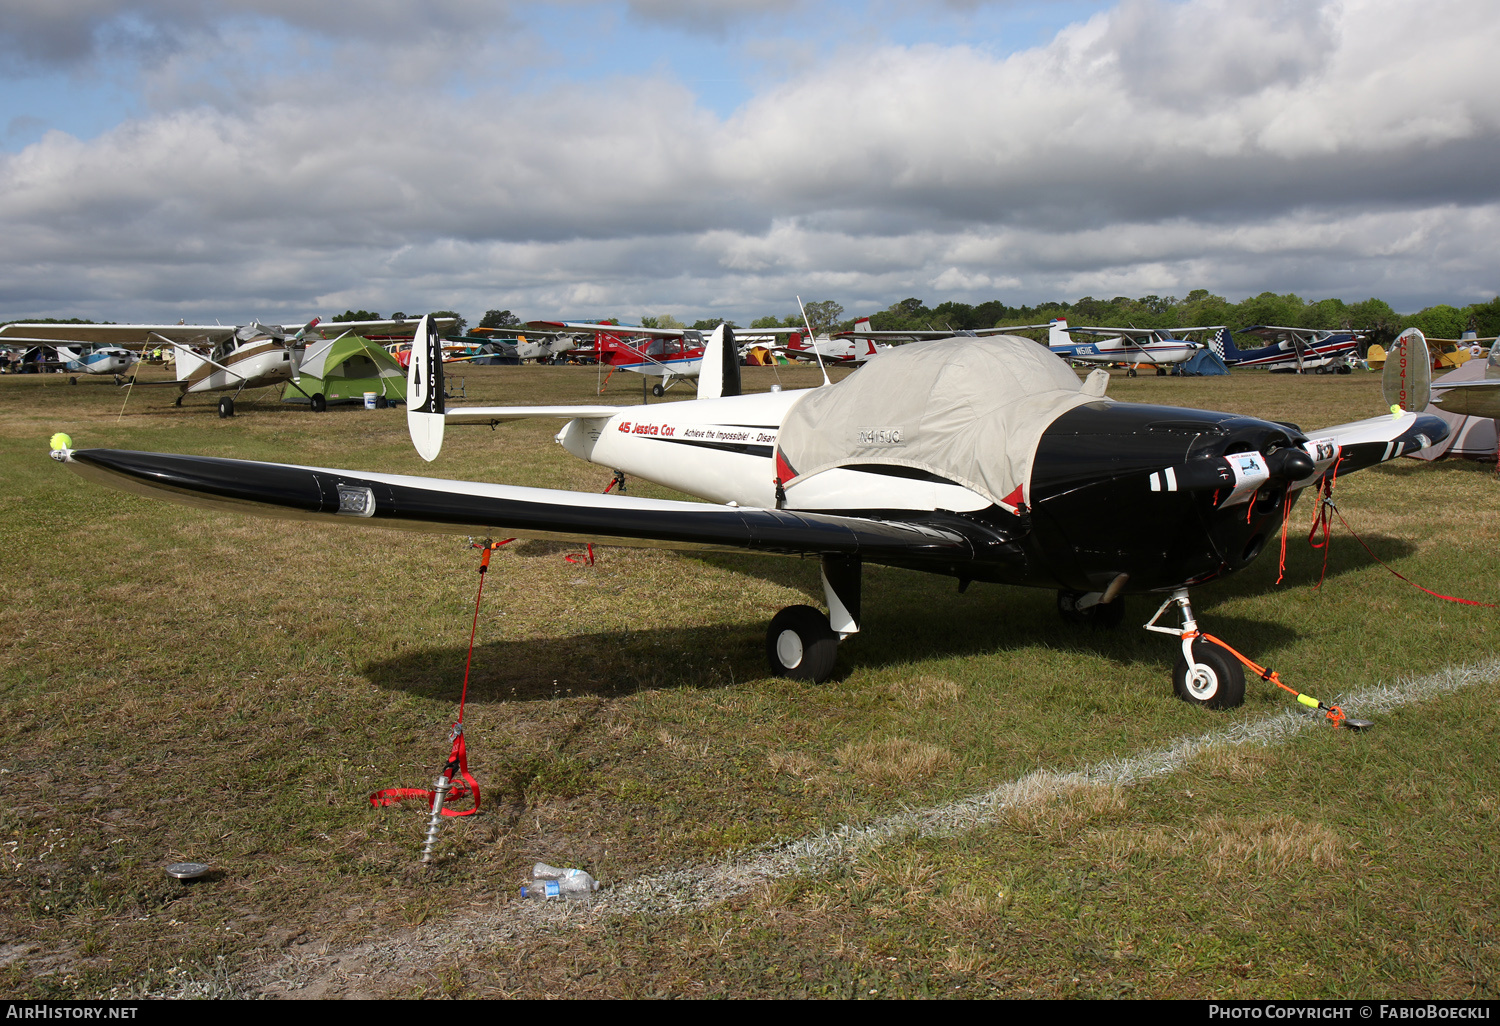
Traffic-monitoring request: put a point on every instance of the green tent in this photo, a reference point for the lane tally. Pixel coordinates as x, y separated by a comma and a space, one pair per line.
342, 370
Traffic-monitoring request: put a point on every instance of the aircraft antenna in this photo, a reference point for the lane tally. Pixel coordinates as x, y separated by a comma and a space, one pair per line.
814, 340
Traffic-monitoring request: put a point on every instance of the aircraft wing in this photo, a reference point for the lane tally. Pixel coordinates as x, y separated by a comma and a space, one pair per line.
467, 507
1365, 443
118, 334
924, 335
407, 326
625, 330
1128, 334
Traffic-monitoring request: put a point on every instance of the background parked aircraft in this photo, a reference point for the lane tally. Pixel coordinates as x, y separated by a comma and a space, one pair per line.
217, 357
76, 358
1133, 347
1292, 349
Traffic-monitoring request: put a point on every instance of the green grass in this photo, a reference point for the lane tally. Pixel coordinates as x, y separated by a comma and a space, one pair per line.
182, 685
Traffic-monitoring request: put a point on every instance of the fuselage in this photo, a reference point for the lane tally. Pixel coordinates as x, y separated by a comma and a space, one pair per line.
1093, 514
252, 364
1117, 350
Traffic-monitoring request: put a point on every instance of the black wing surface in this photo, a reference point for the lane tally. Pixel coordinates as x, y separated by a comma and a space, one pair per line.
288, 491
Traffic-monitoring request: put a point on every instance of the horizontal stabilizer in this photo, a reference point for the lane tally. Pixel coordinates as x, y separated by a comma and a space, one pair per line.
493, 414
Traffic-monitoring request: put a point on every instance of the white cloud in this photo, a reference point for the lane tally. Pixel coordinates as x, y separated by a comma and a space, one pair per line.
1344, 148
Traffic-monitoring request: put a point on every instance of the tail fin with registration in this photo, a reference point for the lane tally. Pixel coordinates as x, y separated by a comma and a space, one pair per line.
1406, 382
424, 392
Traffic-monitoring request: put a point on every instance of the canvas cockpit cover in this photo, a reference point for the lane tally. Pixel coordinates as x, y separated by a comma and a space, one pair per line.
970, 410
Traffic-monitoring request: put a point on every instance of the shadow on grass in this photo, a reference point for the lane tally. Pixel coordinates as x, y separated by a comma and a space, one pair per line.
987, 621
908, 617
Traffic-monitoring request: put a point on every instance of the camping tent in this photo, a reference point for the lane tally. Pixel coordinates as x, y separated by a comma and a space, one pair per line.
342, 370
1204, 361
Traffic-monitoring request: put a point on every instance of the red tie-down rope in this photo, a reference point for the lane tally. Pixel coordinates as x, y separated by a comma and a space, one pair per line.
458, 756
587, 558
1322, 520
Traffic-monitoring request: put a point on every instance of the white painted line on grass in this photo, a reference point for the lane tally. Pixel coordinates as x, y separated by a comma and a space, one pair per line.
703, 886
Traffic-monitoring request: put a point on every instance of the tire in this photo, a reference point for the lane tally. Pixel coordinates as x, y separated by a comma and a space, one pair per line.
1130, 373
226, 407
1161, 372
72, 381
1099, 616
658, 391
319, 403
801, 645
1224, 687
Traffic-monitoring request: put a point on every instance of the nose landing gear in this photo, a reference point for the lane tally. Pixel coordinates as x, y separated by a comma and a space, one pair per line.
1206, 674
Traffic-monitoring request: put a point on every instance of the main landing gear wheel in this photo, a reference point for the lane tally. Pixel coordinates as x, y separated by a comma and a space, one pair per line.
226, 407
658, 391
1219, 682
319, 403
1161, 372
72, 381
801, 645
1130, 373
1101, 616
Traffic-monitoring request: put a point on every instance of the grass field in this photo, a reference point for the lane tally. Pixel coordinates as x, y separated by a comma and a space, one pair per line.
179, 685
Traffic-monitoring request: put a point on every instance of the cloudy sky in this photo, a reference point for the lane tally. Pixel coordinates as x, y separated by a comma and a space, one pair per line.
229, 159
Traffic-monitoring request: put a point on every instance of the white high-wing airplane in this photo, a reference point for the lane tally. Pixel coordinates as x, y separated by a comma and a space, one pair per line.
216, 357
75, 358
978, 459
1134, 347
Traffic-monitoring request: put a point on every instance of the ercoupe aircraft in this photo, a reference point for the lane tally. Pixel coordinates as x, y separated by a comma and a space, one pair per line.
216, 357
1292, 349
1134, 347
76, 358
979, 459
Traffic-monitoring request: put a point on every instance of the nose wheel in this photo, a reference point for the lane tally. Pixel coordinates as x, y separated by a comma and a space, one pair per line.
1205, 673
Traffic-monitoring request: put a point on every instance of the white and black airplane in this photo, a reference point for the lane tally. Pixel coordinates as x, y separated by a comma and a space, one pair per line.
978, 459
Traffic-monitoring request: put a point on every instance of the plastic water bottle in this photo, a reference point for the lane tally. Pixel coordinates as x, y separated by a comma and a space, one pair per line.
549, 883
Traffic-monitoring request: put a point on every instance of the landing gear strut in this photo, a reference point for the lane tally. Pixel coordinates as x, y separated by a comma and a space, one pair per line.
1205, 674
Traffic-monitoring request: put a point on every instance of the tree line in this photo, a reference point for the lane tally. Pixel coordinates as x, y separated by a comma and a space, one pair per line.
1200, 308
